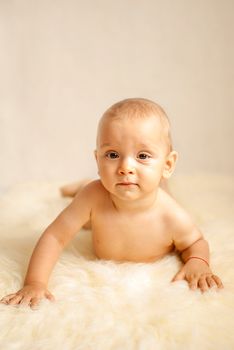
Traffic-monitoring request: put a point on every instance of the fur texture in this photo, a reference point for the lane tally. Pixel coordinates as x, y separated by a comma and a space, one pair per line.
103, 305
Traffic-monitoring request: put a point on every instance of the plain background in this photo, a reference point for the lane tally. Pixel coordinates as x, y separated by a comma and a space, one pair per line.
64, 62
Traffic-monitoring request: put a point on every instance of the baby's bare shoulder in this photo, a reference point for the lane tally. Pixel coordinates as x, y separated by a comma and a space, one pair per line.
87, 198
94, 190
174, 212
95, 186
183, 228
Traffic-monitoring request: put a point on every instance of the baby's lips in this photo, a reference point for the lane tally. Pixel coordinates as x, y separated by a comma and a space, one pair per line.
126, 183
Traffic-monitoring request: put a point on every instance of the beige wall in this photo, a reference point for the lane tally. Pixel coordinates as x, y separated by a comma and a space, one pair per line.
63, 62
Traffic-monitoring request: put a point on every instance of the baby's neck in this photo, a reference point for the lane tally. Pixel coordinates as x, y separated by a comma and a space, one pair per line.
134, 206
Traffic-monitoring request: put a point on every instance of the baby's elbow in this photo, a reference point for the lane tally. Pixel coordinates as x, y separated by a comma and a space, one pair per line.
203, 241
196, 237
197, 243
57, 233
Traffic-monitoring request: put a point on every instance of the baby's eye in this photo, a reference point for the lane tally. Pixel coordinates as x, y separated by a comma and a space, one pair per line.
112, 155
143, 156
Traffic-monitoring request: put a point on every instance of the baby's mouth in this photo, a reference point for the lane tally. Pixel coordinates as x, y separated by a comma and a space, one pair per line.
126, 184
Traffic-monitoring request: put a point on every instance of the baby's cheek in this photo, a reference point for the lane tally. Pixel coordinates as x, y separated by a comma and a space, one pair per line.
106, 180
152, 173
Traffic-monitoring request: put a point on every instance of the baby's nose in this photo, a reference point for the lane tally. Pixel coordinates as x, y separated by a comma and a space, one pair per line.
126, 167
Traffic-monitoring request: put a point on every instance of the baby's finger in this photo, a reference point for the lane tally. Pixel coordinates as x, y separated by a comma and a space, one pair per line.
26, 300
34, 302
6, 299
15, 300
50, 296
203, 285
218, 281
210, 281
193, 283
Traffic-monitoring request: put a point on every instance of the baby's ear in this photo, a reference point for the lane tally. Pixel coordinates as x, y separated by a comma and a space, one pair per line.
170, 164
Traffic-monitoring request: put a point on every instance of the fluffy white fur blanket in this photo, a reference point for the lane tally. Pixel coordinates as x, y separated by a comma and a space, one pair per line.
103, 305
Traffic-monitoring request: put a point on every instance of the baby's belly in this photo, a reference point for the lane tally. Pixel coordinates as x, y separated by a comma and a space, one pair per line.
128, 257
109, 247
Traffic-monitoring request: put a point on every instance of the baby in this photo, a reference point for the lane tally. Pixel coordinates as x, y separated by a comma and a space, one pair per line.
132, 216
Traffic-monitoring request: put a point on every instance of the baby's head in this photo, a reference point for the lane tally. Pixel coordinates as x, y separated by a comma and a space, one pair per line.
134, 145
134, 109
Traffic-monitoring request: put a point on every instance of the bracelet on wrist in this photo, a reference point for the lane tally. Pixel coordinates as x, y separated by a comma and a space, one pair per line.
197, 257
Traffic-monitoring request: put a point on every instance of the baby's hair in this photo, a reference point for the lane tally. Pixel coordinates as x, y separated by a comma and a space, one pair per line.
133, 108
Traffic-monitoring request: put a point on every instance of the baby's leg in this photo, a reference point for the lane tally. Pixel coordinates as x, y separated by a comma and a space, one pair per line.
71, 190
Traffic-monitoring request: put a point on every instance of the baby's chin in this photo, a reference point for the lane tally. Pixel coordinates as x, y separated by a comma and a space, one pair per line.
127, 192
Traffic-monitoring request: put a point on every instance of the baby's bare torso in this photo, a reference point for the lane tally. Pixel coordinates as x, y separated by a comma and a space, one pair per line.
130, 236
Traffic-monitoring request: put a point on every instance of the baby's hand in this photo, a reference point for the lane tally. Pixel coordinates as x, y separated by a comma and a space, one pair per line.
199, 275
29, 295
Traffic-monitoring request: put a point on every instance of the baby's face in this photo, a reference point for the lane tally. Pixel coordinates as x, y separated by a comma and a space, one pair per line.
131, 156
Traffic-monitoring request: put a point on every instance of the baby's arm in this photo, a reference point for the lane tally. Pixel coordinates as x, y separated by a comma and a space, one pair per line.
194, 250
47, 251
